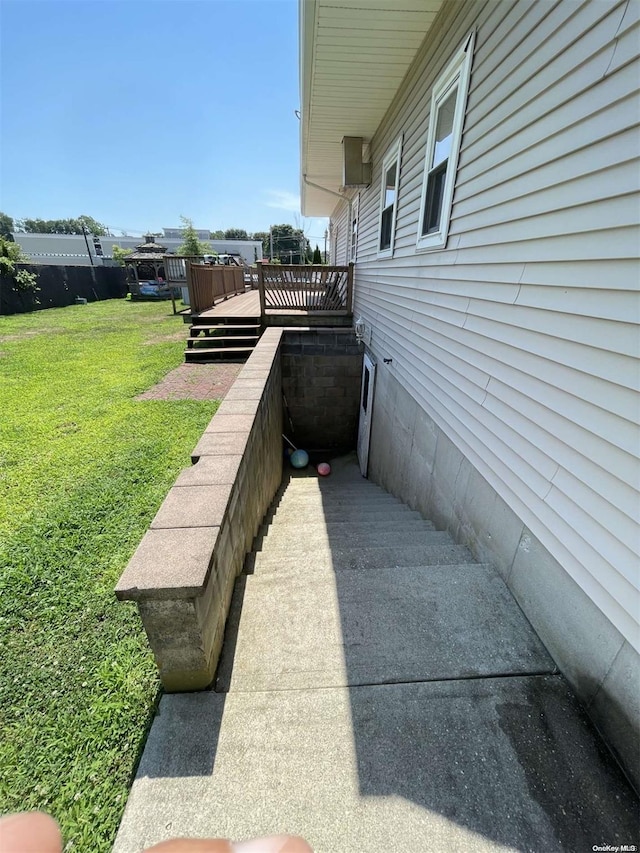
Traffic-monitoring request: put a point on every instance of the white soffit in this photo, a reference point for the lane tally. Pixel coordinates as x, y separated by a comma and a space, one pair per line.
354, 55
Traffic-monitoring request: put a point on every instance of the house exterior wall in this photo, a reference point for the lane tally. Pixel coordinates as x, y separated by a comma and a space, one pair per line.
339, 235
515, 348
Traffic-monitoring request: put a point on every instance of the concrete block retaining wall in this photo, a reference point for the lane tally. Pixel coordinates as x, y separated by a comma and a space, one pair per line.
182, 573
413, 459
321, 375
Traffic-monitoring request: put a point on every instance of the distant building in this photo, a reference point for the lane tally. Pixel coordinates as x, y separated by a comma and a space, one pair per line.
178, 233
71, 249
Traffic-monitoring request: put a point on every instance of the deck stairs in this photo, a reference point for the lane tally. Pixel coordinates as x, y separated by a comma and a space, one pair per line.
222, 338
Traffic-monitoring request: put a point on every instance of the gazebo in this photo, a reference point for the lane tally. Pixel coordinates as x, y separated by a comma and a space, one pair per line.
146, 263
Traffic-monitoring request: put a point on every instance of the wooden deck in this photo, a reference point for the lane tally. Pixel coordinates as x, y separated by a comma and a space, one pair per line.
243, 305
288, 296
248, 305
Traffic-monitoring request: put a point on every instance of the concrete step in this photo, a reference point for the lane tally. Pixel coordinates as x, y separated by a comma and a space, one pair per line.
343, 515
286, 540
442, 551
342, 498
378, 626
323, 508
314, 483
337, 532
486, 765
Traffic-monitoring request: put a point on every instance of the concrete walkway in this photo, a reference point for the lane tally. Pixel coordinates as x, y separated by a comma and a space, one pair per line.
379, 691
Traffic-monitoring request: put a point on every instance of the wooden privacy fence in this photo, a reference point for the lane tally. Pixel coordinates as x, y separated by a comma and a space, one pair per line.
209, 284
305, 288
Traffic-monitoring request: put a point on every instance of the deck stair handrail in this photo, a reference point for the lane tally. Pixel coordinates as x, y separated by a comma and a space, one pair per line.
311, 288
210, 284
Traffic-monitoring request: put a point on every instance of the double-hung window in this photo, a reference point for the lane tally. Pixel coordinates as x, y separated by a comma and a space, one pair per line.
389, 199
448, 105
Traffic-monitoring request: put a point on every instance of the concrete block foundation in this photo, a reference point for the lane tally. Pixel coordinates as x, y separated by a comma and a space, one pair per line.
321, 372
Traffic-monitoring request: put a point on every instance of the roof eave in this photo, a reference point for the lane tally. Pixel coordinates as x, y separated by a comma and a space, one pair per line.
335, 61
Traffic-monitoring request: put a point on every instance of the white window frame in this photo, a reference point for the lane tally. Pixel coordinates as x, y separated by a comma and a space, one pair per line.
354, 214
456, 74
392, 155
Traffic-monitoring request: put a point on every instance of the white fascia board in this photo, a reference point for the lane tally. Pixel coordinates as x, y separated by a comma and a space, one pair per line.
306, 38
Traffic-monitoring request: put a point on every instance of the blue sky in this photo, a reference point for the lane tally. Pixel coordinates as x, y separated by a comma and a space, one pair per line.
138, 112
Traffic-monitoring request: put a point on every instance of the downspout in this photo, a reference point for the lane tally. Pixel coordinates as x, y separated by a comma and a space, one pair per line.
324, 189
331, 192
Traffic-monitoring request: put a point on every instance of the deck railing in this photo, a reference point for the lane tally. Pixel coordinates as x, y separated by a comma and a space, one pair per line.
305, 288
209, 284
175, 268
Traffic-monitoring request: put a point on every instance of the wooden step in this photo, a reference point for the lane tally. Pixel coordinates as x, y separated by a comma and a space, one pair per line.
217, 354
219, 341
227, 328
202, 322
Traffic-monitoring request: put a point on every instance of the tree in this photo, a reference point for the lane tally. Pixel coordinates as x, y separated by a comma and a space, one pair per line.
6, 227
317, 257
264, 237
10, 255
65, 226
191, 244
290, 246
119, 254
93, 226
236, 234
216, 235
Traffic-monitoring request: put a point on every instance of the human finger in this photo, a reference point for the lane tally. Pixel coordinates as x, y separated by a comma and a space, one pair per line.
29, 832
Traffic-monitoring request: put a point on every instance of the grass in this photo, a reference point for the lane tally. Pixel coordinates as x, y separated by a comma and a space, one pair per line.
83, 468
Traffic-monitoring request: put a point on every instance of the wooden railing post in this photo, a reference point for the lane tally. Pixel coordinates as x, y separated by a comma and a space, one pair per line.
350, 288
192, 305
261, 290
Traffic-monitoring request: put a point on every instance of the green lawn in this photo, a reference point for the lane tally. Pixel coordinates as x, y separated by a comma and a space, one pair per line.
83, 469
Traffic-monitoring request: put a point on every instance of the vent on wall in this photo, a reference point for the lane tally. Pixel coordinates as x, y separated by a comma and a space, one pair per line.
355, 173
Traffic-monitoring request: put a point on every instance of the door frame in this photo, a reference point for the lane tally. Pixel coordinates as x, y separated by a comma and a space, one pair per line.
367, 388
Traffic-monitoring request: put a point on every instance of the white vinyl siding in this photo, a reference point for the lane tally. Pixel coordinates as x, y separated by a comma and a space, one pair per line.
520, 338
341, 228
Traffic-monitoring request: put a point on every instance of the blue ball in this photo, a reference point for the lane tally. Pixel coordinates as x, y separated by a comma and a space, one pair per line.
300, 459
